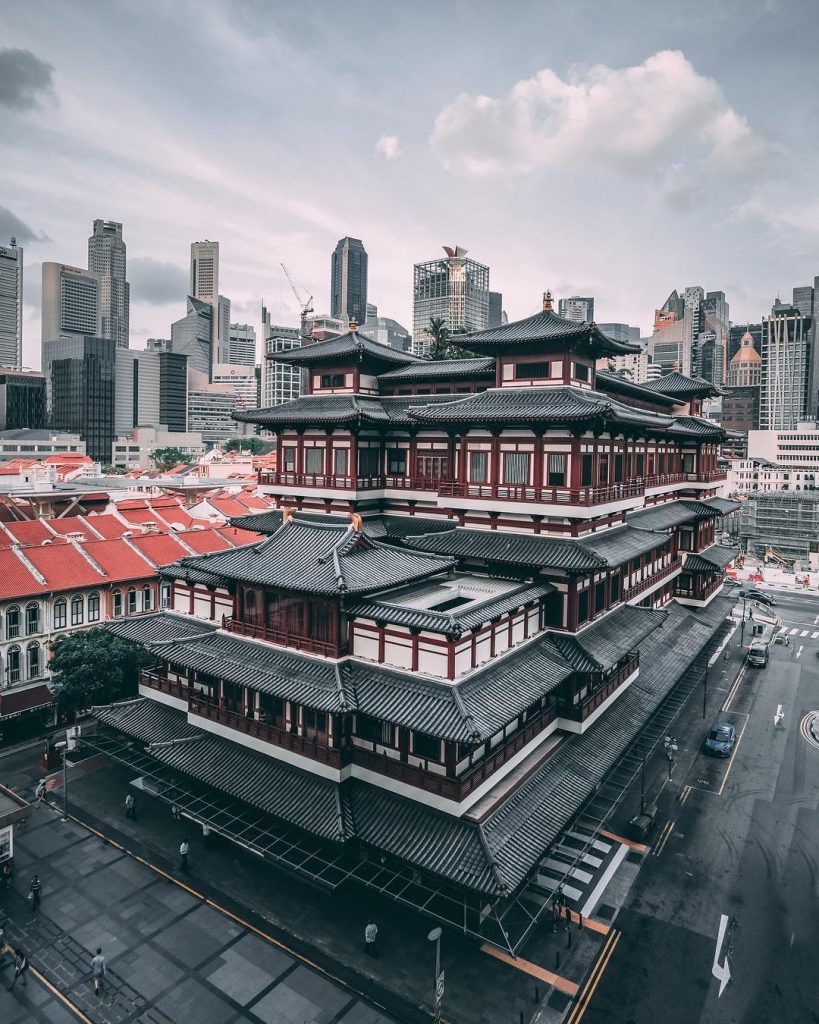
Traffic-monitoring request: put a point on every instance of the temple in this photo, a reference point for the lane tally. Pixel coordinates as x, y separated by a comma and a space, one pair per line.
483, 581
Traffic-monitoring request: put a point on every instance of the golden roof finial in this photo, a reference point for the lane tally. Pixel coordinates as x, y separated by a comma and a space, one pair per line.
353, 325
547, 301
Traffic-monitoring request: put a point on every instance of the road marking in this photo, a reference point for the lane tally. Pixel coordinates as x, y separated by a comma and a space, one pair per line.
664, 837
731, 760
804, 632
561, 984
733, 691
779, 715
639, 847
814, 635
801, 648
593, 981
805, 729
816, 621
792, 632
721, 971
686, 792
606, 877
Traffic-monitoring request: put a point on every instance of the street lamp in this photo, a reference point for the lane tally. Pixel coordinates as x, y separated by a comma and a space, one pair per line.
435, 936
742, 634
705, 686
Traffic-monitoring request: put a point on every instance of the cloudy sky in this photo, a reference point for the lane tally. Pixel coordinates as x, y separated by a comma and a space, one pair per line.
607, 147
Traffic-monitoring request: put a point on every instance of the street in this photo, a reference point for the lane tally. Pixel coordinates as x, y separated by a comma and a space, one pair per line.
738, 840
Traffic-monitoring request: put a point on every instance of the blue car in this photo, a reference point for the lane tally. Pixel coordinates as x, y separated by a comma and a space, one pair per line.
720, 739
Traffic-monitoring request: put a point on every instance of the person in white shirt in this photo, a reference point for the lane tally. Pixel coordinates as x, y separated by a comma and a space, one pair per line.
370, 935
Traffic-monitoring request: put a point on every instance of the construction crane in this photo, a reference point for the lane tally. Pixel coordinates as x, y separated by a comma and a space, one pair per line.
305, 307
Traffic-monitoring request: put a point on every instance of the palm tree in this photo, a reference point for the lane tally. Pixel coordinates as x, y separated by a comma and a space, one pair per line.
440, 334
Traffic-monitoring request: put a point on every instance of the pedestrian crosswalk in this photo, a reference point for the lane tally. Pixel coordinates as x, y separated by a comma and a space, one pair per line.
578, 869
796, 631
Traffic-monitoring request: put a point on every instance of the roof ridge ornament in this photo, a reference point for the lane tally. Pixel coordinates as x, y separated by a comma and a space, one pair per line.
547, 301
353, 325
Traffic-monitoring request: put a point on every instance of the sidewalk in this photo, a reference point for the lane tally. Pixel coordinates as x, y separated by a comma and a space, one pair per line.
327, 928
171, 958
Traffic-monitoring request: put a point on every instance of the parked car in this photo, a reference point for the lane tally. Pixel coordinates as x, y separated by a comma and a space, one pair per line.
720, 739
758, 654
759, 595
732, 582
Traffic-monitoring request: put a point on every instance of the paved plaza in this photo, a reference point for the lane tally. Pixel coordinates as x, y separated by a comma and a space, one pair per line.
171, 957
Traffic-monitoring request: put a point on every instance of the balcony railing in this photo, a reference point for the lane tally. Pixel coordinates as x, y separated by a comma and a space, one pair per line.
699, 593
544, 495
655, 577
329, 482
666, 479
580, 712
708, 476
169, 686
281, 637
456, 789
268, 733
413, 483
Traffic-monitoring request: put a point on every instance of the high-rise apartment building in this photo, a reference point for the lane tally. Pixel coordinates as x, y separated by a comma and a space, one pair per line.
70, 303
242, 349
204, 286
107, 259
786, 363
210, 409
455, 289
281, 382
242, 380
80, 376
348, 280
173, 390
577, 308
11, 305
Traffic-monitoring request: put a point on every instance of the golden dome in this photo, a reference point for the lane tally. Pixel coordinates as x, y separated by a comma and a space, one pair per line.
747, 354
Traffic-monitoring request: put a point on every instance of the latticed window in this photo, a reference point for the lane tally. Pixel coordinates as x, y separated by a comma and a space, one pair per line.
479, 467
515, 468
313, 460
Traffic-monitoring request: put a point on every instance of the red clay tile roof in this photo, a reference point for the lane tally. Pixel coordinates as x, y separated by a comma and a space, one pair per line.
63, 567
118, 561
205, 541
30, 532
16, 580
108, 525
161, 548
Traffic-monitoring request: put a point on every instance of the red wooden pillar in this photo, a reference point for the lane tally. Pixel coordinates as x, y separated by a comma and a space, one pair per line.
414, 663
450, 658
353, 467
381, 642
300, 453
191, 598
463, 461
212, 605
537, 479
495, 476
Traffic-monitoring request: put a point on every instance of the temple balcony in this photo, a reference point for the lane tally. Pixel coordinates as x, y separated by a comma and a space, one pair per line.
321, 484
283, 638
694, 591
641, 587
586, 501
576, 714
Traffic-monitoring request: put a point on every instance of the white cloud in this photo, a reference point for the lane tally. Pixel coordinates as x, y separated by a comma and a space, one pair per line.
632, 119
388, 147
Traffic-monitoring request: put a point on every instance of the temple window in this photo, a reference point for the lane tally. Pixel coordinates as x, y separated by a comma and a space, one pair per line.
289, 459
530, 371
340, 461
314, 724
515, 468
313, 460
426, 746
397, 462
479, 467
332, 380
368, 461
586, 470
582, 606
556, 474
580, 371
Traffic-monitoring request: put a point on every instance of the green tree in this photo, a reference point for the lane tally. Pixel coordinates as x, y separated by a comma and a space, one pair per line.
167, 458
95, 666
251, 443
440, 334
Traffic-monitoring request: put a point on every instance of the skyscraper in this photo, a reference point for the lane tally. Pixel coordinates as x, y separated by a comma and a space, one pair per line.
192, 336
80, 376
495, 316
783, 399
242, 345
578, 308
205, 288
348, 280
11, 305
455, 289
71, 302
106, 258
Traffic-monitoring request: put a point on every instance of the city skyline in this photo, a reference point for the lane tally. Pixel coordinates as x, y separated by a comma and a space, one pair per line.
415, 176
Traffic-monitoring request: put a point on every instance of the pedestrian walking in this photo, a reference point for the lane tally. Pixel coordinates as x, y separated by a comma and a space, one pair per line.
130, 806
556, 913
205, 833
40, 791
174, 812
98, 969
184, 850
567, 917
34, 888
370, 935
20, 968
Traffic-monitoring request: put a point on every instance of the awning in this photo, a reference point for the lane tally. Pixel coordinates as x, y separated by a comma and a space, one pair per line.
15, 702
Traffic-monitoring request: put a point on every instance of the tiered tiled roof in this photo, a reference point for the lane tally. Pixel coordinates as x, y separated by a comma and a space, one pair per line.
482, 368
492, 856
543, 326
606, 641
393, 527
316, 558
677, 385
712, 558
352, 345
